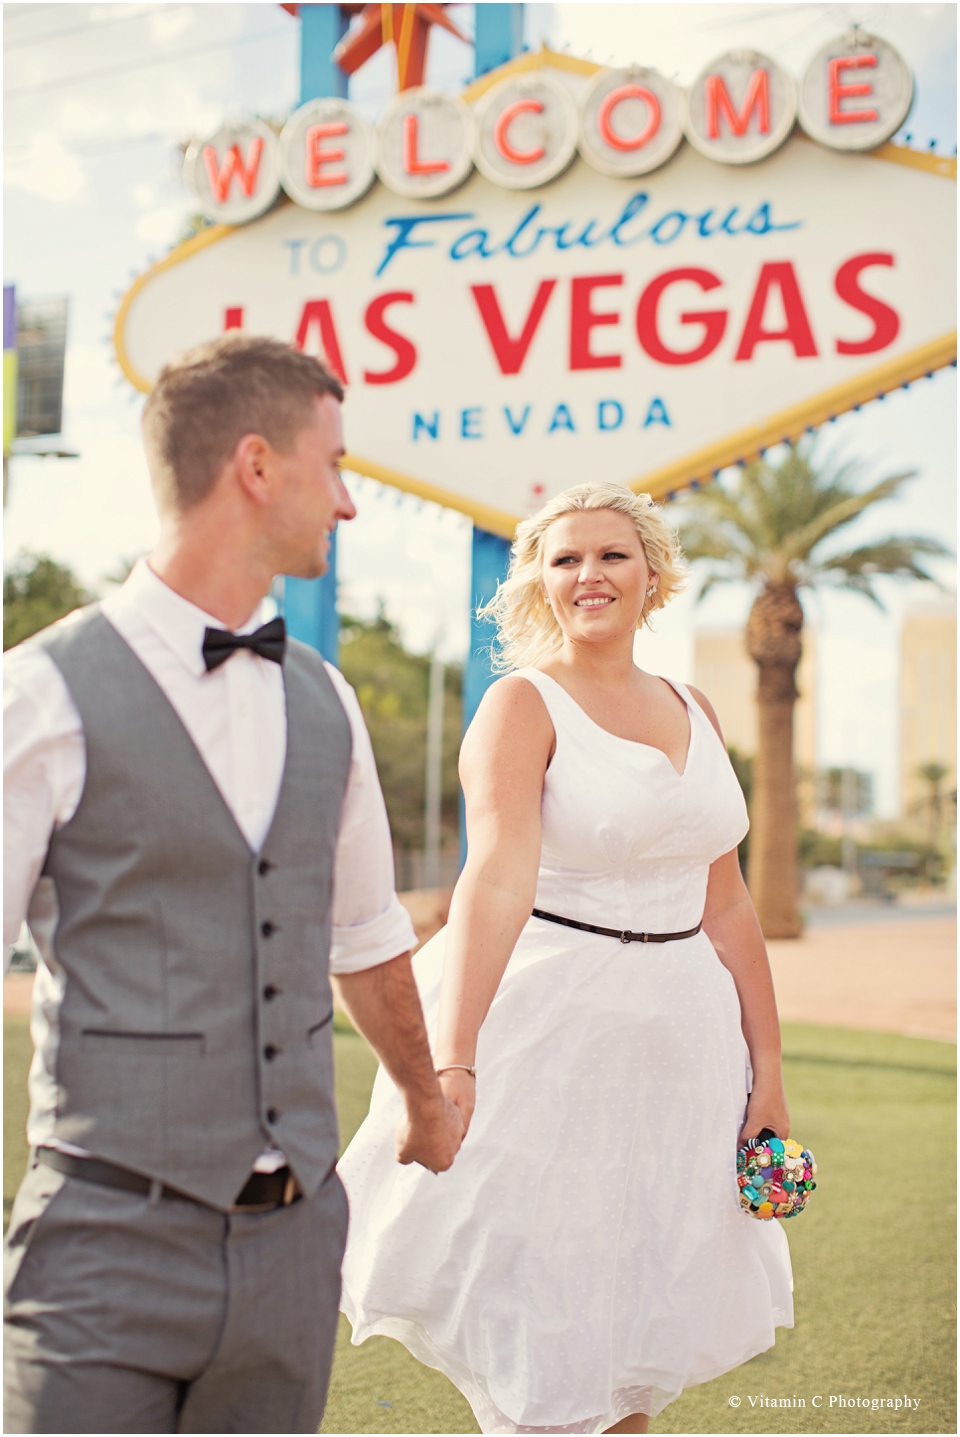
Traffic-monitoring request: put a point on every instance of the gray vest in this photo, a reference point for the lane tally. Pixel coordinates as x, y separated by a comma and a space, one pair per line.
195, 1027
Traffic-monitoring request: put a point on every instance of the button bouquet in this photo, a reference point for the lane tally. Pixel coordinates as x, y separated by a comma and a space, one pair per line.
775, 1177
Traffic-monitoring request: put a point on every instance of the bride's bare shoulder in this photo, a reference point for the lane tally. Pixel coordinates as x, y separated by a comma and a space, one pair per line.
511, 713
514, 699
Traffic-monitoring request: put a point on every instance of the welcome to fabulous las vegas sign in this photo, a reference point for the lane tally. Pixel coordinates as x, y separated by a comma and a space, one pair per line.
571, 272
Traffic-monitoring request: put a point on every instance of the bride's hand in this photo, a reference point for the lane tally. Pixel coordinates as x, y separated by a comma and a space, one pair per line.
767, 1108
430, 1133
461, 1089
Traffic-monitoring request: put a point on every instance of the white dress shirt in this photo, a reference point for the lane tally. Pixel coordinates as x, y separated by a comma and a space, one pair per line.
236, 716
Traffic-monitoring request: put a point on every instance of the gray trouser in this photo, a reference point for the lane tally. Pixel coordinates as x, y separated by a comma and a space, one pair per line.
124, 1315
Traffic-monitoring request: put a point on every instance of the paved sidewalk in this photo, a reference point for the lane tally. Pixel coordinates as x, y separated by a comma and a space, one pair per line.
895, 977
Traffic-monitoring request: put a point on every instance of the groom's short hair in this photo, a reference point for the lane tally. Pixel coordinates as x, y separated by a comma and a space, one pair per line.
208, 398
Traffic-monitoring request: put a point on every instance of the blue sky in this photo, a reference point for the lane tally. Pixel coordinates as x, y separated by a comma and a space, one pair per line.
99, 97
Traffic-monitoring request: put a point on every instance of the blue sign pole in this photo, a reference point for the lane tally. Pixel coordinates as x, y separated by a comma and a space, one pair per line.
310, 605
499, 38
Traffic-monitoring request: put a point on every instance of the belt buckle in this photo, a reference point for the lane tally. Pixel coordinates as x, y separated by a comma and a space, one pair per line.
290, 1191
626, 936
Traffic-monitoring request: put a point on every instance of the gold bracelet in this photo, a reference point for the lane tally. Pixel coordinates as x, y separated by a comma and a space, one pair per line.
463, 1067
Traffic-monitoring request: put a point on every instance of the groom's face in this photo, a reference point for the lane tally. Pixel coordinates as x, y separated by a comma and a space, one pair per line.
310, 497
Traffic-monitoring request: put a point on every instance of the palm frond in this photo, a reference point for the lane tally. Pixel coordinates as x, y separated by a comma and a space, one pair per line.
897, 557
844, 509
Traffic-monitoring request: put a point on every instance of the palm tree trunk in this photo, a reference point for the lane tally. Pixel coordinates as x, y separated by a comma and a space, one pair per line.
774, 643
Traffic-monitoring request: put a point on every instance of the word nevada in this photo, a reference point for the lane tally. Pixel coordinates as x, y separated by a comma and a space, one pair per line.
525, 129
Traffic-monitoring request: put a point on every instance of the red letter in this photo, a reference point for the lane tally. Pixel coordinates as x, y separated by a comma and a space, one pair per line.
757, 98
583, 319
605, 115
510, 353
714, 321
317, 312
886, 321
797, 331
839, 91
315, 156
221, 178
516, 157
401, 346
412, 164
233, 318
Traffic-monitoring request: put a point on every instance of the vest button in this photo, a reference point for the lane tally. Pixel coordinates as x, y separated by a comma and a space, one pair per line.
267, 928
263, 867
270, 992
272, 1115
270, 1052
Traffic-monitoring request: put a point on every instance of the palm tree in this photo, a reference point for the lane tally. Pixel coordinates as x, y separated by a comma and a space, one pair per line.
770, 527
933, 775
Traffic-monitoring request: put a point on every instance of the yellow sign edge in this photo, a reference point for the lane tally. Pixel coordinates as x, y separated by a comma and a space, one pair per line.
497, 521
701, 466
791, 423
183, 251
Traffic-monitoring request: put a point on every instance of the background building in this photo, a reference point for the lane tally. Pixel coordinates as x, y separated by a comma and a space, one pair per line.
725, 671
928, 713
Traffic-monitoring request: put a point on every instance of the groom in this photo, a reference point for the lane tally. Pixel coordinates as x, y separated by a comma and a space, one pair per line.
193, 804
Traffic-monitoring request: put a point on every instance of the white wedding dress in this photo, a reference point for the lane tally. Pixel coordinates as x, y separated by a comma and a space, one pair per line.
586, 1256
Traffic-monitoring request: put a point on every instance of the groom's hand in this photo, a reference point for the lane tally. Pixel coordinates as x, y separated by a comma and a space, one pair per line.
430, 1133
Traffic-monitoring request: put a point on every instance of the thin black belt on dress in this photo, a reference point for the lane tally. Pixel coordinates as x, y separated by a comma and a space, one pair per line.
261, 1193
623, 934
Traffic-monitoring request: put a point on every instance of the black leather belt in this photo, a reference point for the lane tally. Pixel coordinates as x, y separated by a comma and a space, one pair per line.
623, 934
261, 1193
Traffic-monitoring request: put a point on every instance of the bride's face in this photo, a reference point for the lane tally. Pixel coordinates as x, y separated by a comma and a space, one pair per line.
595, 574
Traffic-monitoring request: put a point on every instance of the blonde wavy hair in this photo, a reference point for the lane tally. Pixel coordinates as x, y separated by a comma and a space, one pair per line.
527, 632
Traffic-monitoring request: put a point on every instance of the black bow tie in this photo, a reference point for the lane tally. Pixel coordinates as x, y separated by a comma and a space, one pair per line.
269, 642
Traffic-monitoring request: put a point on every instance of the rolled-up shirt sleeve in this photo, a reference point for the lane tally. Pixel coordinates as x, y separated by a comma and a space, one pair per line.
370, 924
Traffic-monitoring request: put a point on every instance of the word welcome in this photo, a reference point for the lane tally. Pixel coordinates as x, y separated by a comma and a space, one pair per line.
525, 130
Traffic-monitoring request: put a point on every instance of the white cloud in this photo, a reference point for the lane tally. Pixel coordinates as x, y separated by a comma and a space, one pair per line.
47, 169
162, 226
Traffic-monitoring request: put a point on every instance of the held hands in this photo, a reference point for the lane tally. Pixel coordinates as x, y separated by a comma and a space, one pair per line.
767, 1108
430, 1133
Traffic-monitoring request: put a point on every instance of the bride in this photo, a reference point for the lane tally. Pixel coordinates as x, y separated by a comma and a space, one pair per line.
586, 1258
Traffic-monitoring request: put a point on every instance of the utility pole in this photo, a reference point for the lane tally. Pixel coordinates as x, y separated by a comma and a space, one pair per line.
434, 788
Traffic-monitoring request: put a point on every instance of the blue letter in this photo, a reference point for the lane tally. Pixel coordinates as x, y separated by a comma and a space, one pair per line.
402, 240
295, 247
469, 423
602, 407
430, 426
678, 217
479, 247
657, 414
630, 211
562, 420
761, 222
508, 244
516, 425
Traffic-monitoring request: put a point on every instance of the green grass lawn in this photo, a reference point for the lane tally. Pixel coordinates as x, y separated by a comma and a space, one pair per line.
873, 1254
